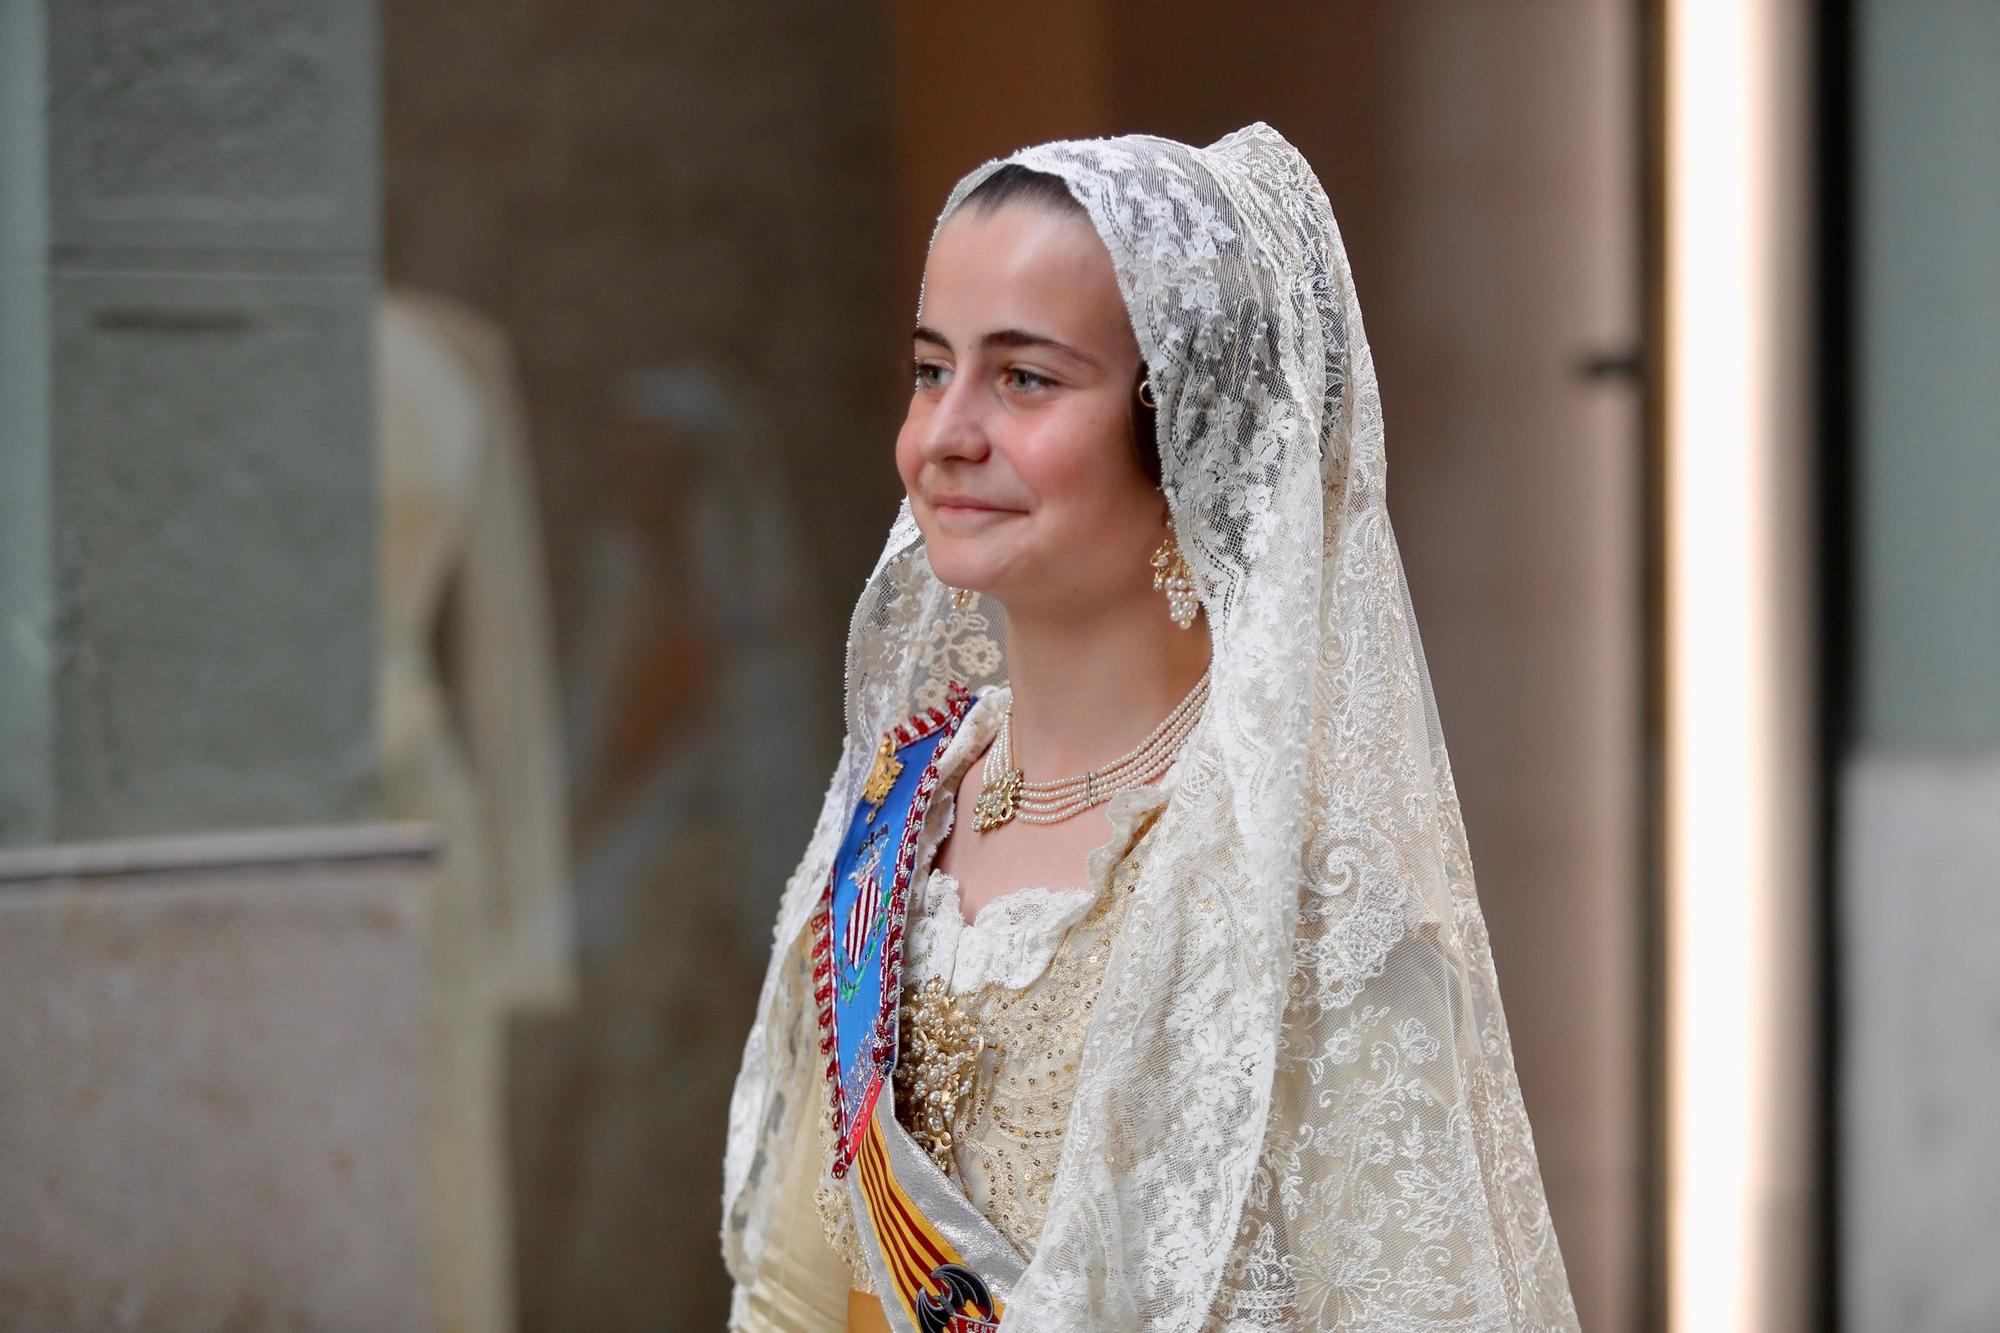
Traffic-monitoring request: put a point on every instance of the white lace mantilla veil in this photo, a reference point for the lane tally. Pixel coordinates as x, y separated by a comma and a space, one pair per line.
1296, 1106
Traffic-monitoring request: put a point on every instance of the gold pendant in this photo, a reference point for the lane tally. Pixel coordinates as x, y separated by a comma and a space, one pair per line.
882, 778
936, 1061
997, 802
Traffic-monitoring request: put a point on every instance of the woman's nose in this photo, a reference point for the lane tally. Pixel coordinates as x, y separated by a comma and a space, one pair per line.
956, 427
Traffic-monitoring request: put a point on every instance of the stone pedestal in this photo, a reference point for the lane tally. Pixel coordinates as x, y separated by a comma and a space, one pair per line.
215, 1062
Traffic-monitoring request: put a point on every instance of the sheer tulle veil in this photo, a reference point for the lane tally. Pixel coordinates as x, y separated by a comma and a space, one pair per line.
1297, 1105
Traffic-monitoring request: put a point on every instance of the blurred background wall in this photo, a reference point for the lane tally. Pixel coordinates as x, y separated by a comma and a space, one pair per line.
677, 214
1918, 901
213, 957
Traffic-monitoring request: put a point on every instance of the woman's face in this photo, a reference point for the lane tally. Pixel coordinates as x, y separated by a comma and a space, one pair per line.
1017, 451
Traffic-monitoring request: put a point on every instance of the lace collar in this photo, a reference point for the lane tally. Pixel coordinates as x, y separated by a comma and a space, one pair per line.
1014, 937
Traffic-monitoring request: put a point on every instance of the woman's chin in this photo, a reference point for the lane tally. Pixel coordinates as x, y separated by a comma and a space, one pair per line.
968, 581
974, 578
957, 564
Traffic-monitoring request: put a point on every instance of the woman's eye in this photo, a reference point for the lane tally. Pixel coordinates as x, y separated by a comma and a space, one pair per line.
1018, 378
927, 374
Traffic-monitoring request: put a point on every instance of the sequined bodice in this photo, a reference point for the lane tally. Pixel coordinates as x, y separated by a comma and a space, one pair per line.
994, 1012
1005, 1127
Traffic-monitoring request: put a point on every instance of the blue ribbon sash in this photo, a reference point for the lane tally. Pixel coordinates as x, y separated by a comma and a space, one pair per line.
858, 930
939, 1265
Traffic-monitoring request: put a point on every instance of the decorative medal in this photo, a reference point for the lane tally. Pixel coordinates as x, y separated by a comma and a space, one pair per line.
961, 1303
882, 777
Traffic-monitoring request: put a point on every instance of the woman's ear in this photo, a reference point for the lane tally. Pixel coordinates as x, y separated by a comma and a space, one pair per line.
1145, 436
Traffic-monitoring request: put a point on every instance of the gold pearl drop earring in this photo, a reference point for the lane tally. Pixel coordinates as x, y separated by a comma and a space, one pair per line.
1172, 575
961, 598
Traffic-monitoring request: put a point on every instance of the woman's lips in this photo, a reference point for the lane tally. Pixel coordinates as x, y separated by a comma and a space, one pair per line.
969, 518
964, 507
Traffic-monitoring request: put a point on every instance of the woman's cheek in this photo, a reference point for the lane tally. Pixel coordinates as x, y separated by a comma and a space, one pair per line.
1062, 455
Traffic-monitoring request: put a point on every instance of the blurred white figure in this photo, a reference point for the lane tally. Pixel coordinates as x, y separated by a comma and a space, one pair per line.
469, 740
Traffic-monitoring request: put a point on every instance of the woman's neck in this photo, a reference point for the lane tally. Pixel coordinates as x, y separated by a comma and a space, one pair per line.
1086, 692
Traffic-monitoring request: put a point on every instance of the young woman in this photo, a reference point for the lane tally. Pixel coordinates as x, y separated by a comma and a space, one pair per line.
1133, 978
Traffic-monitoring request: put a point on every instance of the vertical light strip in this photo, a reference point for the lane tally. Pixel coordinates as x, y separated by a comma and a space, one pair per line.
1723, 421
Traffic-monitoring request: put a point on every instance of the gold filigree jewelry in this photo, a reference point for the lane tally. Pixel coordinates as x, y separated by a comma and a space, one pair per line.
997, 799
882, 777
937, 1056
962, 598
1172, 575
1005, 793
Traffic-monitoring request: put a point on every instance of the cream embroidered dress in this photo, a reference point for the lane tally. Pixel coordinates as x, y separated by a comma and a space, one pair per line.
1017, 983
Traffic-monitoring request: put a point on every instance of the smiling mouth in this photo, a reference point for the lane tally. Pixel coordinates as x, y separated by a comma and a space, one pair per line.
967, 507
965, 521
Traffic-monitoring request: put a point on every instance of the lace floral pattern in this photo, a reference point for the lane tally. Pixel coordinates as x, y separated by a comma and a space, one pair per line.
1295, 1103
1010, 946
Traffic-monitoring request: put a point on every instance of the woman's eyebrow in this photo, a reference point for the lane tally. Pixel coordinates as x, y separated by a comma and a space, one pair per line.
1010, 338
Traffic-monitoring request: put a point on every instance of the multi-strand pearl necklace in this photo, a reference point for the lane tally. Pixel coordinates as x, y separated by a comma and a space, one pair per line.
1005, 794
